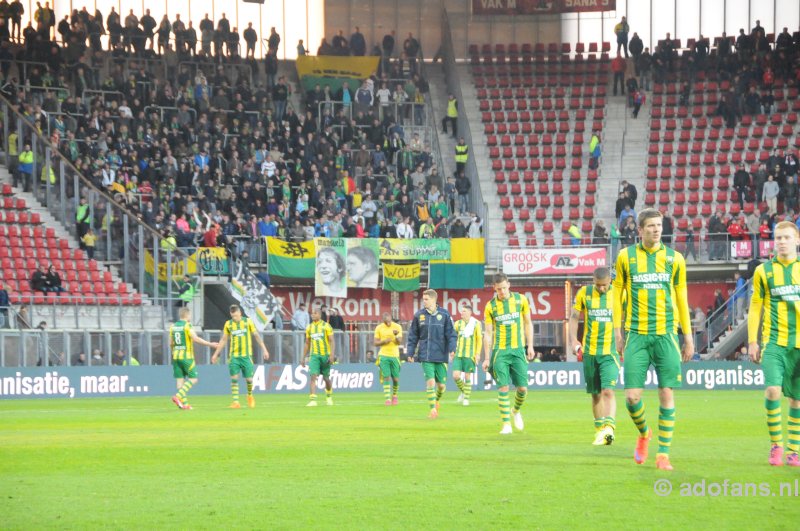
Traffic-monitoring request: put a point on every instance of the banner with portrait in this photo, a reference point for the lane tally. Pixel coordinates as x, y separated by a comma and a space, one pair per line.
362, 263
330, 274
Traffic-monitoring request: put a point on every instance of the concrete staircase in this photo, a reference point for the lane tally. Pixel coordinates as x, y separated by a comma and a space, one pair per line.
624, 146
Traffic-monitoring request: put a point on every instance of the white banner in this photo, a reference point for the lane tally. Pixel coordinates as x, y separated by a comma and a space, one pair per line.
577, 261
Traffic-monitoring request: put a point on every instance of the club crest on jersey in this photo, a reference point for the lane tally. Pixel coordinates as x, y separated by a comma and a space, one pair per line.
670, 259
438, 317
422, 318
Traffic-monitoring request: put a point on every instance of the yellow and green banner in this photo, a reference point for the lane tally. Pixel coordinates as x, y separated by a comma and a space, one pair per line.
334, 70
291, 259
209, 260
464, 269
401, 277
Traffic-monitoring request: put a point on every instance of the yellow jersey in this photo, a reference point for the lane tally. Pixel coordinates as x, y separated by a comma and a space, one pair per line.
384, 332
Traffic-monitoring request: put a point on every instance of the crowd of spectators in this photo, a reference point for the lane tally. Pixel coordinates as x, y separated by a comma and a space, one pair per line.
211, 152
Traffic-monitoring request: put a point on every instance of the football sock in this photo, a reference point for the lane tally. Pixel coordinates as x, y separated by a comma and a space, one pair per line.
666, 425
460, 384
395, 389
505, 407
519, 399
598, 423
636, 412
249, 388
431, 393
187, 384
387, 391
312, 396
793, 444
439, 393
467, 390
774, 420
235, 389
609, 421
328, 393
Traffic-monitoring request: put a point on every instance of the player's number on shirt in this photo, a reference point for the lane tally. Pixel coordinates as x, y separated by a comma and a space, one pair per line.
178, 338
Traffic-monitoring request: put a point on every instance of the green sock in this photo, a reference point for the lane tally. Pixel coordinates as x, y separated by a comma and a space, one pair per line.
387, 391
235, 389
249, 388
187, 384
439, 393
505, 407
431, 393
598, 423
793, 444
609, 421
666, 425
519, 398
467, 390
395, 389
774, 421
460, 384
636, 412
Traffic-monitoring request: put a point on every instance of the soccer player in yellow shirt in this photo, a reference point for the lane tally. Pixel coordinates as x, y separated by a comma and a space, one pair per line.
776, 290
468, 349
388, 336
319, 355
508, 341
240, 332
600, 362
650, 292
181, 341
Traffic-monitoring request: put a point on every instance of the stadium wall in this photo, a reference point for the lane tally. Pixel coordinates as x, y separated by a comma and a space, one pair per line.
376, 18
88, 382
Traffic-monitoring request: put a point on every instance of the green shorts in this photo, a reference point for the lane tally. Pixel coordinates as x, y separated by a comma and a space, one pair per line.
319, 365
782, 369
509, 366
463, 364
662, 351
435, 371
601, 372
184, 369
390, 367
241, 364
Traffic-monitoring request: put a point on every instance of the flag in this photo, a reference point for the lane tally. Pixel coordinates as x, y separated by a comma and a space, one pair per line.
290, 259
256, 300
401, 277
465, 268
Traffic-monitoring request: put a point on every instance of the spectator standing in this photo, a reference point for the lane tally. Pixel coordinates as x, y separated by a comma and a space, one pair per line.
451, 115
638, 101
274, 41
621, 30
645, 65
26, 167
741, 182
463, 186
594, 150
618, 69
461, 156
88, 242
636, 47
358, 45
770, 194
251, 38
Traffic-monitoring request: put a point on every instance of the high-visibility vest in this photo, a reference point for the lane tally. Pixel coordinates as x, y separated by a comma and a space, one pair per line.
81, 212
12, 144
461, 153
52, 175
452, 110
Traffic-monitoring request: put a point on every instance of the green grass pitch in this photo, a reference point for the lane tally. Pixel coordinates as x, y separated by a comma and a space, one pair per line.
143, 464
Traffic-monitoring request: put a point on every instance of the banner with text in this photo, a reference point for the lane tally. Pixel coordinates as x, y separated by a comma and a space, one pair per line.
90, 382
334, 71
547, 302
540, 7
578, 261
414, 249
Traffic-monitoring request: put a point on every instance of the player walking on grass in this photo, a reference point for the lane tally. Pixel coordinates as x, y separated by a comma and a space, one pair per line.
181, 342
319, 346
468, 348
651, 279
600, 362
776, 289
432, 339
240, 331
508, 341
388, 336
